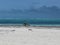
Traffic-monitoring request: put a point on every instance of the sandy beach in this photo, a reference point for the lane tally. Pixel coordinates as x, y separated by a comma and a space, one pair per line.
29, 36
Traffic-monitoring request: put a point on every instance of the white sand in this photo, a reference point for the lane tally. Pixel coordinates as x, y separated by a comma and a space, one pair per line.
23, 36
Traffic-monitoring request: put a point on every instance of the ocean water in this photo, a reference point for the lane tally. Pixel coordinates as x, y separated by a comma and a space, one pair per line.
38, 22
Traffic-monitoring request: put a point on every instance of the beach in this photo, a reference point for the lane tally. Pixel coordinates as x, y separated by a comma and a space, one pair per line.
29, 35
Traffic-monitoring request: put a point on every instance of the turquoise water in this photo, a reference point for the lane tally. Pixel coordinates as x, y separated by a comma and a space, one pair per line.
30, 21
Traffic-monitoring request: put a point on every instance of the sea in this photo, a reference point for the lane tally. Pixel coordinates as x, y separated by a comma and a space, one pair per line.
31, 21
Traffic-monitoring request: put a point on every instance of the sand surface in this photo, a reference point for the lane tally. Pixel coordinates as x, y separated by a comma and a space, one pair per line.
29, 36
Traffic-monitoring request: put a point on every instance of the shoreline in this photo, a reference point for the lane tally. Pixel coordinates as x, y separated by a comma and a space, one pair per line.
29, 26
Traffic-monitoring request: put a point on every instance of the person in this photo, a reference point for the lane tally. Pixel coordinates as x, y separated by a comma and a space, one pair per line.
26, 24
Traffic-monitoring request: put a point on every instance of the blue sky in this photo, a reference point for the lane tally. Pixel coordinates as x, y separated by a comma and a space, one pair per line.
29, 8
21, 4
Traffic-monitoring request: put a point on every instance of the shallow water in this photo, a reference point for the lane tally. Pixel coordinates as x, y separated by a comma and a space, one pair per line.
34, 22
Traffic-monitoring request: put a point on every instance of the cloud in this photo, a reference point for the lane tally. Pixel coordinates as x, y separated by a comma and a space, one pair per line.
41, 12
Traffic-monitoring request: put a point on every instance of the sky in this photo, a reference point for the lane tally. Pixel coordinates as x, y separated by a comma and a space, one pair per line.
30, 8
22, 4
